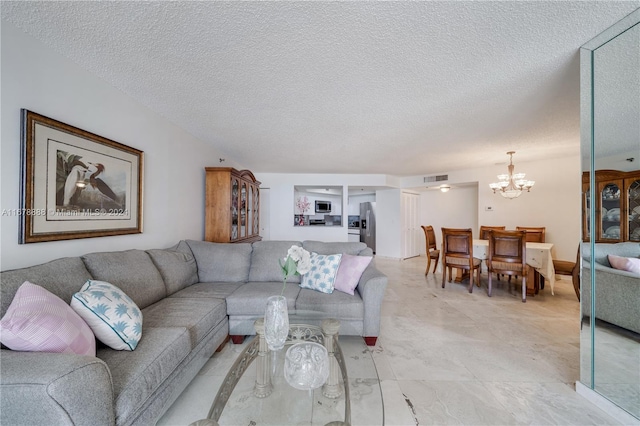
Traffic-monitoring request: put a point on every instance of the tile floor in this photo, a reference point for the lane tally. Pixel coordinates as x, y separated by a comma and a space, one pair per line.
445, 356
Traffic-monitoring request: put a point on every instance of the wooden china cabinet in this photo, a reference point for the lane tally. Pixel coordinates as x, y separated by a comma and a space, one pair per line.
232, 206
617, 206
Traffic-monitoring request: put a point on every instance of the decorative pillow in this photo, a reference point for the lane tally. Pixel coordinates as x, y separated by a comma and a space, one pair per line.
114, 318
350, 271
39, 321
629, 264
322, 275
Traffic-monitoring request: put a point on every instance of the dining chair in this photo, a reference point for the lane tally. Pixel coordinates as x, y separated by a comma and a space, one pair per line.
565, 267
484, 234
485, 229
432, 248
457, 252
508, 256
534, 234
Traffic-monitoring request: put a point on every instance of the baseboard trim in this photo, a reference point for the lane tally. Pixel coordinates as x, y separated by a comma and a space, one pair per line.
624, 417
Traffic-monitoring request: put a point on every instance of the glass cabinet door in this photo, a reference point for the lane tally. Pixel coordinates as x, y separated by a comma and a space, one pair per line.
250, 211
243, 210
633, 209
256, 206
610, 205
235, 189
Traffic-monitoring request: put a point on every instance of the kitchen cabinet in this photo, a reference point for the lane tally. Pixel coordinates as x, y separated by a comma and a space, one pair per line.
617, 208
232, 206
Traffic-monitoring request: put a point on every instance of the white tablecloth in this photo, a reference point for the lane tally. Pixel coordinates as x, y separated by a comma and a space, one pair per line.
538, 257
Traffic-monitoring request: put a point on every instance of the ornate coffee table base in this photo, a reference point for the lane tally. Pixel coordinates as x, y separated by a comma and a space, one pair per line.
337, 383
263, 386
326, 334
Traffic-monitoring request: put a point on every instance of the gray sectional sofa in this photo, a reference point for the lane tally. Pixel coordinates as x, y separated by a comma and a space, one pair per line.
617, 292
192, 297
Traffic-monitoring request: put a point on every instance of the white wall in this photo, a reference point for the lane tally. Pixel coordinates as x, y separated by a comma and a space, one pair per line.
36, 78
457, 208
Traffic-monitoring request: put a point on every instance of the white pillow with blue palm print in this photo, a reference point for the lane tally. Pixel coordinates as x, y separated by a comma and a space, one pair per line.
113, 317
322, 275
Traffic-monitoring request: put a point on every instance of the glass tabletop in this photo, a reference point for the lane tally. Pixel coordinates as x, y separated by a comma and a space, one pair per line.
255, 392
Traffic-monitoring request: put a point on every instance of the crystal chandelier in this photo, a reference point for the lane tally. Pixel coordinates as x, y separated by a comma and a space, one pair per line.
512, 184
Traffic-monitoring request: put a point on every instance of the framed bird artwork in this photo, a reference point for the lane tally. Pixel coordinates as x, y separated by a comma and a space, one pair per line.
76, 184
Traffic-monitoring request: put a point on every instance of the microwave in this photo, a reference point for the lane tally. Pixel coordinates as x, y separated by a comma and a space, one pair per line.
323, 206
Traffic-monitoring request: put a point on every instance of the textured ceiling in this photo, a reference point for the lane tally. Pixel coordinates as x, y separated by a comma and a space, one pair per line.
400, 88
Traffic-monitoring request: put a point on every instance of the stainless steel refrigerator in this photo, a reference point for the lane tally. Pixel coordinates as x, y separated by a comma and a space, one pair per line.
368, 224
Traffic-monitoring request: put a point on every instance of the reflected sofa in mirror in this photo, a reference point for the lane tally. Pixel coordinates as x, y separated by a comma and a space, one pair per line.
610, 145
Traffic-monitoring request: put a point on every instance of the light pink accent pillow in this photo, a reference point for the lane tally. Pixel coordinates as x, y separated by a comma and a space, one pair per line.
629, 264
39, 321
350, 271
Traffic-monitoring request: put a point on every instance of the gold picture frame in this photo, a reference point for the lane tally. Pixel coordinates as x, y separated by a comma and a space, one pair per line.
76, 184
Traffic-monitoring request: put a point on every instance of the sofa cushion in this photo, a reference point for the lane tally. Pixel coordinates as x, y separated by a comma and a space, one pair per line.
199, 316
320, 247
213, 290
132, 271
335, 305
322, 275
62, 277
251, 298
603, 250
265, 261
221, 262
39, 321
350, 271
176, 265
114, 318
628, 264
138, 374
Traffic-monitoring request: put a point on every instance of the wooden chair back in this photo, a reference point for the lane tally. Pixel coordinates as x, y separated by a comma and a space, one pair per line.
534, 234
432, 247
484, 230
508, 255
430, 237
457, 252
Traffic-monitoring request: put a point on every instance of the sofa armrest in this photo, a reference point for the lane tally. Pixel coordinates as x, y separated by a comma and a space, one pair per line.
51, 388
603, 268
616, 295
371, 287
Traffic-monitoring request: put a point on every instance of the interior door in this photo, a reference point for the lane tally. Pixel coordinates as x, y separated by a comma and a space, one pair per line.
410, 225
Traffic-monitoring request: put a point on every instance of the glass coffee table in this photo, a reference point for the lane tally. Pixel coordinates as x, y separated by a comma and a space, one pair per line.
254, 391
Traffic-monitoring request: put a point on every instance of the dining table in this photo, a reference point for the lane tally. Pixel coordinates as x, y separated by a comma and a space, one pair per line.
538, 258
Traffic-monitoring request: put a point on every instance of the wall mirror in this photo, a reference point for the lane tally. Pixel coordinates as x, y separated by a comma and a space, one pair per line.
316, 205
610, 149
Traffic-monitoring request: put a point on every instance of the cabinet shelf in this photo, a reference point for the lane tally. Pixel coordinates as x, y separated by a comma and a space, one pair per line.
614, 189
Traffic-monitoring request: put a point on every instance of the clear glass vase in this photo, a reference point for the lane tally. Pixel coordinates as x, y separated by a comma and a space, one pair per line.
306, 365
276, 322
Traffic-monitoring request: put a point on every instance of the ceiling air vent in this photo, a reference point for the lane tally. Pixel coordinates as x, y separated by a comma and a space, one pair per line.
438, 178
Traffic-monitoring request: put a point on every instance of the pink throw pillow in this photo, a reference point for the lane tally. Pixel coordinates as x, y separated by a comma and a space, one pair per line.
350, 271
629, 264
39, 321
